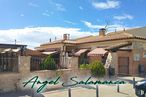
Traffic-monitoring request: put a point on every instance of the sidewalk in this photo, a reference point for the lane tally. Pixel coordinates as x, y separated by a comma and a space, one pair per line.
126, 90
104, 91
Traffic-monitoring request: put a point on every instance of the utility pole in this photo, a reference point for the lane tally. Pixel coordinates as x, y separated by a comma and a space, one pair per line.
15, 41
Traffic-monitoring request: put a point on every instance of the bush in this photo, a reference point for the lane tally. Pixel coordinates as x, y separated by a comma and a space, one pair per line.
97, 69
85, 66
49, 63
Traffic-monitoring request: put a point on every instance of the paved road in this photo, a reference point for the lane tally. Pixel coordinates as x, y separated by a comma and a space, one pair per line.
126, 90
104, 91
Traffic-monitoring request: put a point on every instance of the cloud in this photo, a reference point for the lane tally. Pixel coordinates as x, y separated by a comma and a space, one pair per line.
33, 4
69, 22
45, 14
90, 25
22, 15
37, 35
123, 17
110, 28
60, 7
81, 8
109, 4
57, 6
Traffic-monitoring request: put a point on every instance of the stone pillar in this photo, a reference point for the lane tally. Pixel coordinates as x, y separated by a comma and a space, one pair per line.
23, 69
114, 62
63, 56
73, 63
24, 64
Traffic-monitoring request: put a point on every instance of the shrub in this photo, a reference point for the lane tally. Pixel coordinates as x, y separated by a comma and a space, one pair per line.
97, 69
85, 66
49, 63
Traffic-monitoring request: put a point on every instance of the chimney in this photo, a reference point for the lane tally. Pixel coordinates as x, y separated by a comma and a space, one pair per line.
66, 36
102, 32
50, 40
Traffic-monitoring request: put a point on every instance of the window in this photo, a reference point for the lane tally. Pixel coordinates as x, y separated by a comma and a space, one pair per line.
144, 55
137, 57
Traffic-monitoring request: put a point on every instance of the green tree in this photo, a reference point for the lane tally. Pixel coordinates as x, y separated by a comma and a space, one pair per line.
49, 63
97, 69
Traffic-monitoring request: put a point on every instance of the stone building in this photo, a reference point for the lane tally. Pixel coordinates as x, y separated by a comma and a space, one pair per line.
125, 51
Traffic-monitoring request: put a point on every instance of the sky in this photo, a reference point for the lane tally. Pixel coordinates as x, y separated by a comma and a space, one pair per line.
33, 22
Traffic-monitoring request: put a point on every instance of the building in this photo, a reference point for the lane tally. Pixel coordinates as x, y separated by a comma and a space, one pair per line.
10, 54
125, 51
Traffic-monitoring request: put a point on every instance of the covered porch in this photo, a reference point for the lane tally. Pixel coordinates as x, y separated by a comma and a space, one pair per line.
122, 58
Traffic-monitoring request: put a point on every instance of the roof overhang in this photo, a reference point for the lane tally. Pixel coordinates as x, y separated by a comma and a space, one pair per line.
116, 47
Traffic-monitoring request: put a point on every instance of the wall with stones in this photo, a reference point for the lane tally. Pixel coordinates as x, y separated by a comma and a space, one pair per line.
13, 81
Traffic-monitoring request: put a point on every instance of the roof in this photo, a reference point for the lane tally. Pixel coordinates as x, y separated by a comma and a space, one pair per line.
85, 39
135, 33
30, 52
11, 45
116, 36
139, 32
58, 41
27, 52
53, 42
119, 45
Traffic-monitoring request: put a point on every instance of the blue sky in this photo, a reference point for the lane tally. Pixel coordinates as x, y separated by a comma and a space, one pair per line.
26, 20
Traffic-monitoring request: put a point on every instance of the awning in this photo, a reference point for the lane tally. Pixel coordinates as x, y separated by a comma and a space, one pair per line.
11, 50
78, 53
7, 50
97, 51
49, 53
16, 50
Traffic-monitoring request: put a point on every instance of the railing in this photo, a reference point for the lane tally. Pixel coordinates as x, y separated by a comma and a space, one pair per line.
8, 64
36, 62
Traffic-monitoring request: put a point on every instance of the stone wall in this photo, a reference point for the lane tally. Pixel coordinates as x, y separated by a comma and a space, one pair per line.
13, 81
8, 81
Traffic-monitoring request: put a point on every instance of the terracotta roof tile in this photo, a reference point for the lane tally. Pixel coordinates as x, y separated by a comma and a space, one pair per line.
53, 42
139, 33
107, 37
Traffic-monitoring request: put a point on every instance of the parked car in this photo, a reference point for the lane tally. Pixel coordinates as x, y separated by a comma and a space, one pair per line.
140, 89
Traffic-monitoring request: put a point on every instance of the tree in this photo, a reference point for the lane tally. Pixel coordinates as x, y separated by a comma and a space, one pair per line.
49, 63
97, 69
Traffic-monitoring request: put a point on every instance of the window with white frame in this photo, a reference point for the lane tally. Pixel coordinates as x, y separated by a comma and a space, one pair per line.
144, 55
136, 57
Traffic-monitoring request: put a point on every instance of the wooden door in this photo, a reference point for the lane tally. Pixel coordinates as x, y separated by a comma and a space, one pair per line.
123, 65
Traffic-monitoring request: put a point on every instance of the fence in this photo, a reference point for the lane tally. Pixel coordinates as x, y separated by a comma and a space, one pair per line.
8, 62
36, 62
